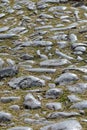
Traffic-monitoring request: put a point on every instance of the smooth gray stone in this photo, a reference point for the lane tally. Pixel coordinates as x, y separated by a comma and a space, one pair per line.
9, 99
41, 5
55, 115
24, 82
36, 43
66, 78
85, 14
25, 66
73, 98
7, 36
1, 63
64, 17
63, 55
82, 69
74, 45
84, 7
15, 107
71, 26
80, 48
28, 62
46, 78
43, 15
64, 125
17, 7
31, 103
10, 10
4, 117
10, 62
51, 85
85, 77
17, 30
20, 128
79, 58
54, 1
78, 88
73, 38
57, 8
44, 27
41, 70
78, 53
42, 43
80, 105
54, 106
42, 56
3, 29
54, 93
2, 15
54, 62
20, 12
8, 72
31, 5
62, 44
41, 121
76, 13
60, 37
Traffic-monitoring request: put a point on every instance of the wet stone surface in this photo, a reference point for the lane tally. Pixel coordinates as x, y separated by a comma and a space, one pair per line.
43, 65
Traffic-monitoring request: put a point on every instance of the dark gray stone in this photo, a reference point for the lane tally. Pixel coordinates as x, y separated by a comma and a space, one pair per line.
54, 93
26, 57
26, 82
8, 72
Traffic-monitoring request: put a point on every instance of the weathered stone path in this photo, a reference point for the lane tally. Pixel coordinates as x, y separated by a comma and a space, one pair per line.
43, 65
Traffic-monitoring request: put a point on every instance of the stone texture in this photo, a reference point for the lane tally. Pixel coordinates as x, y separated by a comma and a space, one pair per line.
54, 93
5, 117
66, 78
31, 102
64, 125
26, 82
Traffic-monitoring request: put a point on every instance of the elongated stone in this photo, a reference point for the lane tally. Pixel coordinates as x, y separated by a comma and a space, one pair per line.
20, 128
41, 70
55, 115
64, 125
6, 36
54, 62
24, 82
9, 99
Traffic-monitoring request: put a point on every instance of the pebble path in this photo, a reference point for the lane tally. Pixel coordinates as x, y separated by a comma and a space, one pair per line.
43, 65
